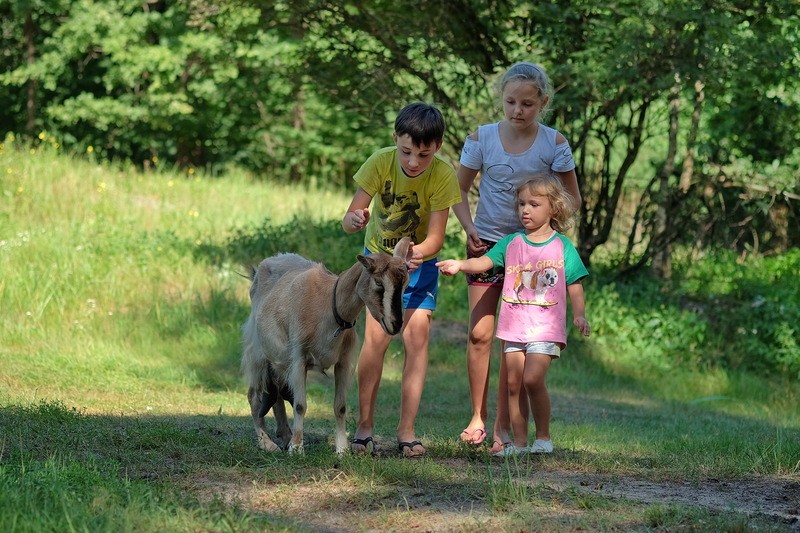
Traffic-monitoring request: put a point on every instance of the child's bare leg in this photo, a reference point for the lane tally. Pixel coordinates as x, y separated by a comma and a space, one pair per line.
502, 423
536, 365
370, 369
483, 308
515, 365
416, 333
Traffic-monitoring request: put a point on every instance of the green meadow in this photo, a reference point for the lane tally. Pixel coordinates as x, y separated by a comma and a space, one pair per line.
122, 407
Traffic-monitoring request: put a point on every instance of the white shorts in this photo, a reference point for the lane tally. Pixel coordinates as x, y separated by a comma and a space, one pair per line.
548, 348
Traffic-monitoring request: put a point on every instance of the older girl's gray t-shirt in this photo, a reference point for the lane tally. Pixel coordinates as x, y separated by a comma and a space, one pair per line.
501, 173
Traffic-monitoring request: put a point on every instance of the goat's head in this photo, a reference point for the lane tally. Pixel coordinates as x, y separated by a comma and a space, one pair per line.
382, 284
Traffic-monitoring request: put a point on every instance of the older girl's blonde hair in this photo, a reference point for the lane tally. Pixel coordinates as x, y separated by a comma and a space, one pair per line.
532, 73
561, 201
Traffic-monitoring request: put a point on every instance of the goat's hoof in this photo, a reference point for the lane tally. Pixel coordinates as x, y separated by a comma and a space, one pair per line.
296, 450
268, 446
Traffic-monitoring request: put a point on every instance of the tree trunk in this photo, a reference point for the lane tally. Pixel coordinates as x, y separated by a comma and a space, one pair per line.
299, 122
597, 220
30, 32
662, 256
688, 162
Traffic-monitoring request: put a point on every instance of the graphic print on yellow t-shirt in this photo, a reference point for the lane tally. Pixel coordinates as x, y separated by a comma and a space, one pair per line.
399, 216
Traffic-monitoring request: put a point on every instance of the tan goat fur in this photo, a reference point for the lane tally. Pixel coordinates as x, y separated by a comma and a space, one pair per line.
292, 329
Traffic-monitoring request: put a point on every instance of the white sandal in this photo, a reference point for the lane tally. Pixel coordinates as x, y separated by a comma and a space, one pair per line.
510, 449
541, 446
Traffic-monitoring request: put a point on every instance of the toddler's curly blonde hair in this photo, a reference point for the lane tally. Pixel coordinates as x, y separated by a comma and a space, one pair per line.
561, 201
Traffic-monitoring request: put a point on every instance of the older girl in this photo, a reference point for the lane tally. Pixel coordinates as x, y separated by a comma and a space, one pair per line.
504, 153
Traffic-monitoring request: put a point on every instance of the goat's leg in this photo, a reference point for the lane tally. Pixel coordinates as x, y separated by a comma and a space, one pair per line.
343, 377
254, 396
284, 432
297, 383
275, 395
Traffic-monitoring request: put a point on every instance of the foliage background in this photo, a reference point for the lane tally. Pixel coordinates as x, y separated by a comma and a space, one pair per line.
682, 120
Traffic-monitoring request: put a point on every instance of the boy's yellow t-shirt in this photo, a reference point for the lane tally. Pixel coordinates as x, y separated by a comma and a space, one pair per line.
401, 206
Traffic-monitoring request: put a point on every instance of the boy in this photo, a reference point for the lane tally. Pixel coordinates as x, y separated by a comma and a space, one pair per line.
413, 189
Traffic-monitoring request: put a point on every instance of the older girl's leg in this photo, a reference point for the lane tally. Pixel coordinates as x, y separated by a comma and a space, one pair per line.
483, 308
515, 370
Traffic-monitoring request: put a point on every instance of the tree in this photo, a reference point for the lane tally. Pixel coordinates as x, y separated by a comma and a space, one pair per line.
662, 100
24, 24
626, 71
638, 84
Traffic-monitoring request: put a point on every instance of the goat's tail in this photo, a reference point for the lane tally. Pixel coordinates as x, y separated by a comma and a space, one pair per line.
253, 357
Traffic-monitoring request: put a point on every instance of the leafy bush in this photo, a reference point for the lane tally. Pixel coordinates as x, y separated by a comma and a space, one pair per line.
754, 307
718, 311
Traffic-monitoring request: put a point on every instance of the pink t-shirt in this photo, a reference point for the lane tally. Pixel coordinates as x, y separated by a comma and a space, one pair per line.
534, 299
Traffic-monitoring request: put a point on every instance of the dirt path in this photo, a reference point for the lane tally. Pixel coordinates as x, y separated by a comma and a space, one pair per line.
776, 498
329, 507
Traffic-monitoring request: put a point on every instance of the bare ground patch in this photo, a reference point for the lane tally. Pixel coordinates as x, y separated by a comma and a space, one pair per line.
775, 498
341, 502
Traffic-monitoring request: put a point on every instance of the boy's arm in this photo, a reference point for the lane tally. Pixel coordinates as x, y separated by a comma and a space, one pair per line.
474, 265
435, 239
357, 215
575, 291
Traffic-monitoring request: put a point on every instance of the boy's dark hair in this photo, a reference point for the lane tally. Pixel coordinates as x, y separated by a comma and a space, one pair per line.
422, 122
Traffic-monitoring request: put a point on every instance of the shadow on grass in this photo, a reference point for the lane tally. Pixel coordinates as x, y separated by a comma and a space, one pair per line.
158, 447
210, 464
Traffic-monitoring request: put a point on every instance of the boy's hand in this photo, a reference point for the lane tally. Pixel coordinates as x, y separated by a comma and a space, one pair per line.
582, 324
359, 219
449, 267
413, 258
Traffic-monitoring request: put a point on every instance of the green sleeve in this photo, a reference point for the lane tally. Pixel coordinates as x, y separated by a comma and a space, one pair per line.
498, 252
574, 269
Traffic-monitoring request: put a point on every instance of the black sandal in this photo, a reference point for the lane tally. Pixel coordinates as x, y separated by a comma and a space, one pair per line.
365, 442
410, 446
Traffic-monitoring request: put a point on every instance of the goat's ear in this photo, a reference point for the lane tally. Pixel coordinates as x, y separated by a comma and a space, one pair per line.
401, 248
364, 261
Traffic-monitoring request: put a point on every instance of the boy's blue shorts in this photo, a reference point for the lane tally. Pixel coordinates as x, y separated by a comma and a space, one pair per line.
423, 286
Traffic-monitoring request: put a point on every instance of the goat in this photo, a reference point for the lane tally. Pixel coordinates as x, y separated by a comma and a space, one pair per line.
302, 317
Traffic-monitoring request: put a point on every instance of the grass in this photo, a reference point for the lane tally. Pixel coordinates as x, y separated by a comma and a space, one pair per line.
121, 406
